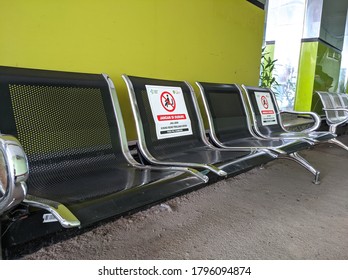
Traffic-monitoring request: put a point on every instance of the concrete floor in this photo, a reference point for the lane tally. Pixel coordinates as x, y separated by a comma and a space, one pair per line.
274, 213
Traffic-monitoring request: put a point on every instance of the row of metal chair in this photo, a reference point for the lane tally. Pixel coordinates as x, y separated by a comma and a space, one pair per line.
68, 130
237, 122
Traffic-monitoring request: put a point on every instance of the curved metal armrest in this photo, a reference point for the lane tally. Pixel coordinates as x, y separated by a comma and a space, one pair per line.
339, 109
314, 116
13, 172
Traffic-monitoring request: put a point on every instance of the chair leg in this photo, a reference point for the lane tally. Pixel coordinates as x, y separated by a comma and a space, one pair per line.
338, 143
333, 128
304, 163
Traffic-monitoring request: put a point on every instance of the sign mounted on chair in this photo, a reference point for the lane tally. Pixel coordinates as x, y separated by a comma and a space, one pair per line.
265, 104
169, 111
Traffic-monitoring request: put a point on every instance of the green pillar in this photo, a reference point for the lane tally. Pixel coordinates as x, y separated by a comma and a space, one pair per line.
319, 69
305, 76
269, 48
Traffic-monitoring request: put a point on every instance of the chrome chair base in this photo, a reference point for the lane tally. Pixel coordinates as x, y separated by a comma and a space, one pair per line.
304, 163
338, 143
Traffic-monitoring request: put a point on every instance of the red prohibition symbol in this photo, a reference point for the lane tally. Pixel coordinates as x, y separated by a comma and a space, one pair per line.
264, 102
168, 101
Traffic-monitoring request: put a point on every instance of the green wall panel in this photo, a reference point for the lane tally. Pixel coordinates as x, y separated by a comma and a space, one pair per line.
169, 39
327, 72
319, 69
269, 48
306, 73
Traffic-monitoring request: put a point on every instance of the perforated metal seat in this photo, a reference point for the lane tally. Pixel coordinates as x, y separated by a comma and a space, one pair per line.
336, 112
230, 125
71, 129
170, 129
344, 100
334, 108
338, 103
269, 125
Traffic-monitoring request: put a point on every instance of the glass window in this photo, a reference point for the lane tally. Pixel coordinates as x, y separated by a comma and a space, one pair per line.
285, 26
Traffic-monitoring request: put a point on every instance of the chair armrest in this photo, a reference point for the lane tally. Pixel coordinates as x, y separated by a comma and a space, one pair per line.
14, 172
316, 118
339, 109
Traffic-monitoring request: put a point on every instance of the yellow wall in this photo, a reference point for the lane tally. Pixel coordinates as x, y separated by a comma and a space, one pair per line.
206, 40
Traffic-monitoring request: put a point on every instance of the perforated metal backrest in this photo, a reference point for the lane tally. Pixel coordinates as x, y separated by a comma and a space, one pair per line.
163, 148
328, 103
337, 103
344, 99
65, 122
251, 95
228, 115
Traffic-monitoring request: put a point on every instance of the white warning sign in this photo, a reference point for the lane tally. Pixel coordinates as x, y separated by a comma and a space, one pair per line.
266, 108
169, 111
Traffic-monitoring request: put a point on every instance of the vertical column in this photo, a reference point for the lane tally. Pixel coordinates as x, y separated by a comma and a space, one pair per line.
321, 47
